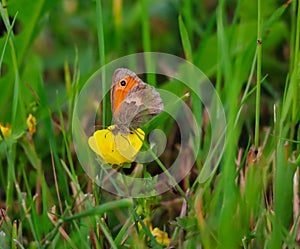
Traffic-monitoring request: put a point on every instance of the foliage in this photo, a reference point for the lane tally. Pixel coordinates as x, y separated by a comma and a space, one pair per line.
48, 51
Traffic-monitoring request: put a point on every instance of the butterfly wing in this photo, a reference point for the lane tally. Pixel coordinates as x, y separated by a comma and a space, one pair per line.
119, 90
141, 104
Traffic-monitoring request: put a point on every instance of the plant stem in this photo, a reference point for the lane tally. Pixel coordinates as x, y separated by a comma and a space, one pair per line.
5, 17
295, 72
258, 73
150, 66
101, 47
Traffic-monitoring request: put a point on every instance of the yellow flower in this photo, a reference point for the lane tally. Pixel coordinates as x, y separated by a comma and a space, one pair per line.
160, 236
5, 130
147, 223
31, 123
116, 148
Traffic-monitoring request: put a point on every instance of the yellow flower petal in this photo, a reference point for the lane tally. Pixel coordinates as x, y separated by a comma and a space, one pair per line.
161, 236
147, 223
5, 130
31, 123
116, 149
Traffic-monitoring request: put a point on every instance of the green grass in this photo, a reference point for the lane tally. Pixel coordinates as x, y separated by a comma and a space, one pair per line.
49, 49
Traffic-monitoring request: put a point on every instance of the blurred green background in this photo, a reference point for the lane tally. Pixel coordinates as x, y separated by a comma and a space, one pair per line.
49, 49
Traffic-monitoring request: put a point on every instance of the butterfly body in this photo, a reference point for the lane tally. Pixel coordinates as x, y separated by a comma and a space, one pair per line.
133, 101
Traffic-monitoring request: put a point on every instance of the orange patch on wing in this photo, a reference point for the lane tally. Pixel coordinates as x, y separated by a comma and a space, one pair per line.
121, 92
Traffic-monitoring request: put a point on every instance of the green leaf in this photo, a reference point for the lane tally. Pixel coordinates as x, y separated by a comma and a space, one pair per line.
99, 210
28, 21
185, 40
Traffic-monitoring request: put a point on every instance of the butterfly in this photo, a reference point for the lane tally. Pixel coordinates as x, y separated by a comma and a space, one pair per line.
133, 101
